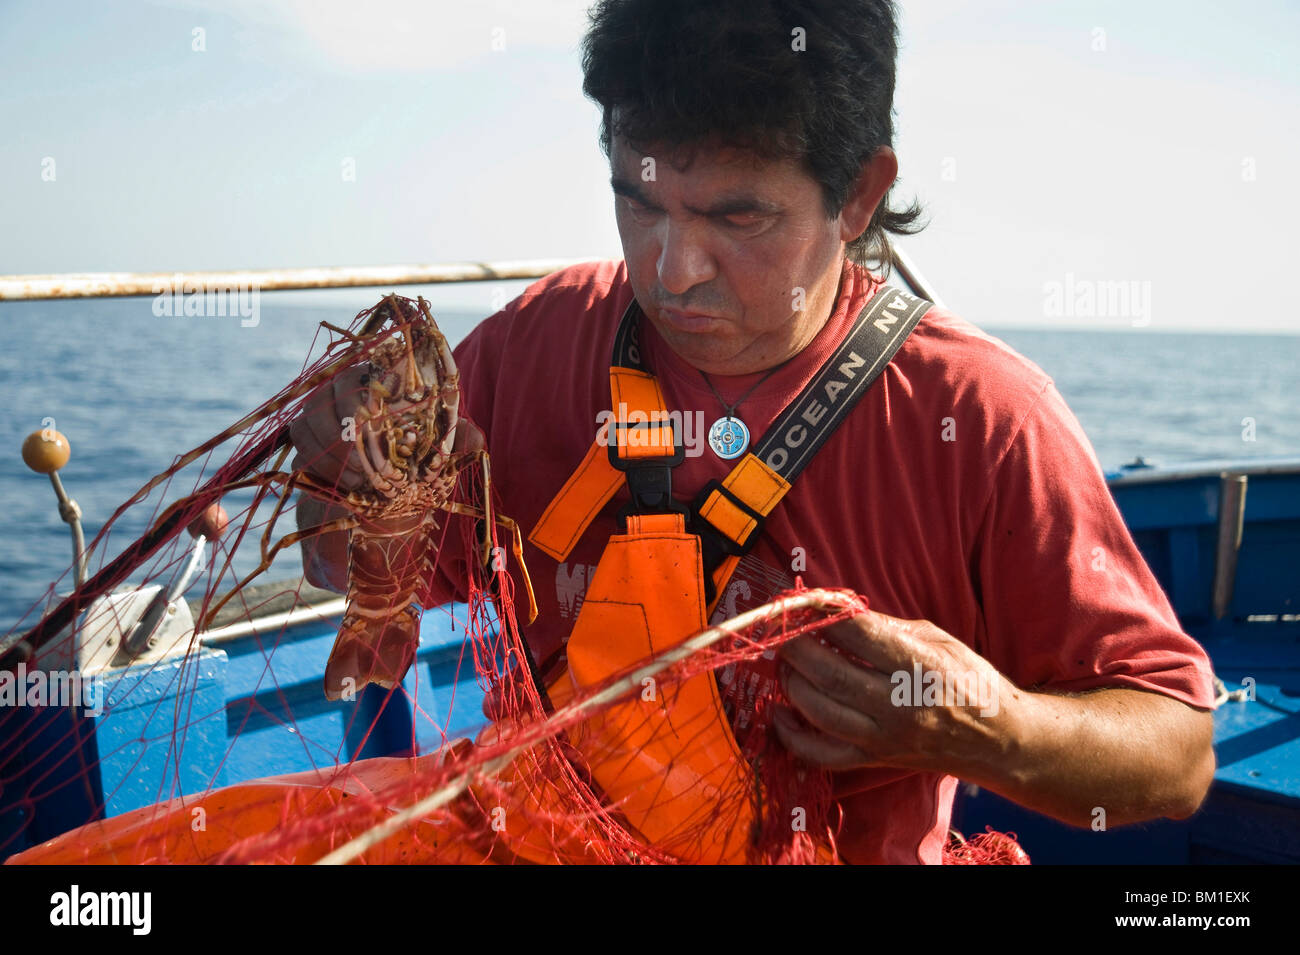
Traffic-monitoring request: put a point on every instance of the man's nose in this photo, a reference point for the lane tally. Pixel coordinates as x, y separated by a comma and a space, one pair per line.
684, 259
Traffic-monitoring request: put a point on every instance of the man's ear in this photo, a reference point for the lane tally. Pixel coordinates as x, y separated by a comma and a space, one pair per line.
874, 179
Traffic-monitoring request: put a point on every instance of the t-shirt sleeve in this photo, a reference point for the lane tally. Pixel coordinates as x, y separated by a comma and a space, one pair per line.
1069, 603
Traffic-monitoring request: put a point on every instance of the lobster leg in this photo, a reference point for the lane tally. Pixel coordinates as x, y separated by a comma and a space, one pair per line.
516, 546
487, 513
261, 481
268, 555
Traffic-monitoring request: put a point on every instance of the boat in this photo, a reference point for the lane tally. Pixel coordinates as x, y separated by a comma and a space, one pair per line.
1222, 538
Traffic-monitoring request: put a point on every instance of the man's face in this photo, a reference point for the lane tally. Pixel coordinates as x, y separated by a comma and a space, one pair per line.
731, 257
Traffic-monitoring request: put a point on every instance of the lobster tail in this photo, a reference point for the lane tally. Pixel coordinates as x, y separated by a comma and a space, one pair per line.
381, 628
378, 651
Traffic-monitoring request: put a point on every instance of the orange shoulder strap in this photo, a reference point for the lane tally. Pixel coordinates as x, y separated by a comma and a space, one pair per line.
735, 510
638, 429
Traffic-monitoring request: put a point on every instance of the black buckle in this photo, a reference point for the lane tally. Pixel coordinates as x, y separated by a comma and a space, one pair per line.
714, 544
652, 492
649, 480
627, 464
711, 535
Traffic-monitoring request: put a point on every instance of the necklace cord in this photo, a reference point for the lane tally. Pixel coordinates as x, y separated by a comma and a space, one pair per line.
729, 411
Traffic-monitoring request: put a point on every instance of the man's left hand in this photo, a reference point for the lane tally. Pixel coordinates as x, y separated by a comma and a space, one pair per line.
860, 715
1134, 753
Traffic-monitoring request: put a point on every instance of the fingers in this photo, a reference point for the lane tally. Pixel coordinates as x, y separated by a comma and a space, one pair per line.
326, 448
834, 674
317, 428
324, 556
814, 747
838, 697
318, 432
841, 720
887, 643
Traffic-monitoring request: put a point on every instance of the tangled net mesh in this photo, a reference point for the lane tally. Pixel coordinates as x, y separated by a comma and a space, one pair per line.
533, 785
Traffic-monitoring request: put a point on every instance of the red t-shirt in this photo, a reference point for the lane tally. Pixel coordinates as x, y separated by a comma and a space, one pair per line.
960, 490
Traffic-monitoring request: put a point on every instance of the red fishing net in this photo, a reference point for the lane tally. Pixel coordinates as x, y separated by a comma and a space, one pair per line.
632, 767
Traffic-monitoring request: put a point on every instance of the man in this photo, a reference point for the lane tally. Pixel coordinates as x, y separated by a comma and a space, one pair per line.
749, 146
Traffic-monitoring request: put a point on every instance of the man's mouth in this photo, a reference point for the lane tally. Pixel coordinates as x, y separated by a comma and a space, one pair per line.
688, 321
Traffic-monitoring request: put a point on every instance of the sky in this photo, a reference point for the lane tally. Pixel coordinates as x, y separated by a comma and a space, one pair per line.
1083, 164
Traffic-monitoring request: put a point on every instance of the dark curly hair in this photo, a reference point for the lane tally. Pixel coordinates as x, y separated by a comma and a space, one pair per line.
730, 72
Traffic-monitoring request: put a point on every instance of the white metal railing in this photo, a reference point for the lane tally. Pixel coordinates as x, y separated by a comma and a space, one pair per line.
16, 288
112, 284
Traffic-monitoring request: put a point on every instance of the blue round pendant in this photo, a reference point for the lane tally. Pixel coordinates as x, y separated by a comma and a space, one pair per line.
729, 438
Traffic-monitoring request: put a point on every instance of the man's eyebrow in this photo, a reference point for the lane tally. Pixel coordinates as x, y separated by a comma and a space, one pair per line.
726, 206
631, 190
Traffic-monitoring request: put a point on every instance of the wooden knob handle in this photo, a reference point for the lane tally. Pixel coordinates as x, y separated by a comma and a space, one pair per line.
46, 451
211, 523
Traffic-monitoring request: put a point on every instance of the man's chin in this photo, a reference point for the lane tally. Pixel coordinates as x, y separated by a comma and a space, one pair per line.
706, 351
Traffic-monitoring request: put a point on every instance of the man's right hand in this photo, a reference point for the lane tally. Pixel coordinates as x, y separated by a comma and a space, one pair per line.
317, 435
323, 454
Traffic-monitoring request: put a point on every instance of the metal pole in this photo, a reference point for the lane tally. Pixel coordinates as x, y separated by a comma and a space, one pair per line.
908, 270
70, 511
109, 284
1232, 518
